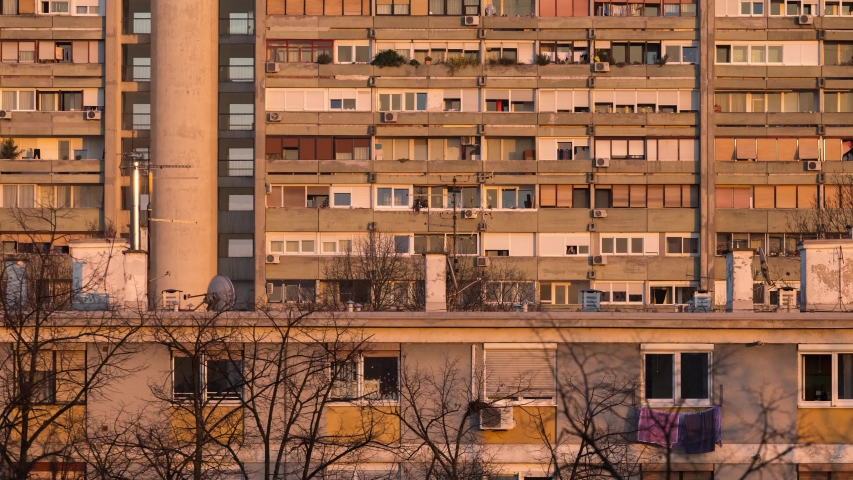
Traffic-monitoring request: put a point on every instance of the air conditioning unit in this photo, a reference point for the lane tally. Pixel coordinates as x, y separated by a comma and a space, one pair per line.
599, 213
482, 261
371, 226
469, 140
813, 165
6, 114
389, 117
805, 20
496, 418
274, 116
601, 67
602, 162
599, 260
471, 20
273, 67
273, 258
270, 288
93, 115
469, 213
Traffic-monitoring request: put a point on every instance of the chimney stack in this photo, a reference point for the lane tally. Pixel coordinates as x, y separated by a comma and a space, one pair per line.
435, 280
826, 275
739, 279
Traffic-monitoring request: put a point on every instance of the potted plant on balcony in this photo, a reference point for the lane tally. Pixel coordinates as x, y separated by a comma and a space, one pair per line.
324, 59
428, 60
9, 149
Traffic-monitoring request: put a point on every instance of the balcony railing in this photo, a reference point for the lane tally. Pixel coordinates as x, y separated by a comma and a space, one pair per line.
136, 121
137, 25
136, 73
236, 73
238, 24
237, 121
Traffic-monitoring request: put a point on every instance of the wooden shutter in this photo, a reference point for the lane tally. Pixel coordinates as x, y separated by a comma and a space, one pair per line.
724, 148
746, 149
765, 196
786, 196
808, 149
313, 7
292, 7
275, 7
787, 149
580, 8
655, 198
672, 196
324, 148
96, 52
831, 147
10, 54
688, 199
333, 7
274, 198
520, 373
564, 195
290, 142
26, 6
547, 8
806, 196
547, 195
293, 196
273, 146
80, 52
724, 197
353, 7
766, 149
418, 7
740, 197
621, 195
47, 50
306, 149
831, 196
565, 8
638, 196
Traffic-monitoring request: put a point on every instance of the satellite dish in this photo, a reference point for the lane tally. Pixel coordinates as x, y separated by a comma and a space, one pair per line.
220, 293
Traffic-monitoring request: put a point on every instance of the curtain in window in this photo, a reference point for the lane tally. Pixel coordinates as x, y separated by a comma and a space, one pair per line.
26, 196
845, 52
26, 100
846, 104
10, 7
10, 196
454, 7
10, 100
47, 102
738, 102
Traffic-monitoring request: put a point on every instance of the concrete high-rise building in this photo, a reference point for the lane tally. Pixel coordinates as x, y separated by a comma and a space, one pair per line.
606, 145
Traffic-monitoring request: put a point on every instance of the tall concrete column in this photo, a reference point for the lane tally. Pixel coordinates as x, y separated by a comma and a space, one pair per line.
184, 50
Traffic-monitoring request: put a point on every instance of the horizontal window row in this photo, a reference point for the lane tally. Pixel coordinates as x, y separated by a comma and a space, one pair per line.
789, 8
51, 196
775, 102
51, 100
775, 244
504, 197
783, 196
486, 100
782, 53
50, 148
783, 149
493, 244
51, 51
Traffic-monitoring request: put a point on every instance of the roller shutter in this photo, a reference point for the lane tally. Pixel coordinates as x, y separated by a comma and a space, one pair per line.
525, 373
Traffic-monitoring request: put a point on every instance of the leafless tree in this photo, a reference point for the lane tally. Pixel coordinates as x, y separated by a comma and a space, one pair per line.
497, 287
54, 360
828, 218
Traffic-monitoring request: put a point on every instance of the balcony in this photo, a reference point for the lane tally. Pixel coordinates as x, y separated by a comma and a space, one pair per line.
236, 122
51, 123
67, 220
136, 121
139, 24
237, 73
238, 23
136, 73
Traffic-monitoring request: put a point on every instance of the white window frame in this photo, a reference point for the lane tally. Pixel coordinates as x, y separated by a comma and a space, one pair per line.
752, 4
682, 236
510, 100
51, 11
501, 189
676, 349
672, 285
609, 291
204, 380
291, 237
392, 206
352, 46
359, 363
18, 194
833, 349
630, 239
749, 46
681, 46
840, 5
402, 94
553, 285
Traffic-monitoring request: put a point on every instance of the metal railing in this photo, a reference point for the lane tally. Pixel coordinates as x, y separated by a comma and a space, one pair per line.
237, 121
238, 26
136, 26
136, 73
236, 168
136, 121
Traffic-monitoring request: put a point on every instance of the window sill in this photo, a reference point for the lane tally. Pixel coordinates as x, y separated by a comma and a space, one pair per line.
817, 405
674, 404
362, 402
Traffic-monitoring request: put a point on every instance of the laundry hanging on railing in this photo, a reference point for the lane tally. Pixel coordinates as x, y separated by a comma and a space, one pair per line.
694, 432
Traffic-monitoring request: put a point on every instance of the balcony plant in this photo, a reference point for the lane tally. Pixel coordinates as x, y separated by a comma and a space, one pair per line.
454, 64
9, 149
324, 59
542, 59
388, 58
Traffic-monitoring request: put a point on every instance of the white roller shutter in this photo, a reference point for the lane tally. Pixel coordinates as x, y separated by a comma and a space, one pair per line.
435, 100
809, 54
275, 100
551, 245
686, 100
622, 97
470, 100
647, 97
581, 98
47, 50
651, 243
522, 95
521, 244
651, 149
578, 239
294, 100
791, 54
497, 94
360, 197
520, 373
602, 149
315, 101
603, 96
565, 100
90, 97
453, 93
547, 149
667, 149
496, 241
362, 103
668, 97
548, 100
80, 52
688, 149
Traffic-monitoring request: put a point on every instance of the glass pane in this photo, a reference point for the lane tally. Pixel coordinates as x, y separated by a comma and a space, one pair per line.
224, 378
637, 245
508, 199
817, 377
774, 54
607, 245
380, 378
845, 376
401, 197
383, 197
739, 54
659, 375
694, 375
183, 375
757, 54
622, 245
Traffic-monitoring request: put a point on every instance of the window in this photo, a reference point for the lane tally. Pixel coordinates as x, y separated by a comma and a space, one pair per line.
441, 243
401, 243
683, 54
311, 196
317, 148
510, 197
620, 292
40, 384
509, 101
454, 7
297, 51
677, 374
18, 196
627, 245
214, 377
752, 8
392, 7
397, 102
520, 373
393, 197
53, 6
447, 197
838, 102
373, 377
832, 8
71, 196
826, 376
670, 294
353, 53
90, 10
519, 148
557, 293
559, 245
682, 244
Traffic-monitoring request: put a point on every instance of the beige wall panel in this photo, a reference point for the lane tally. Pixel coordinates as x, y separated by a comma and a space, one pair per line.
563, 220
346, 220
672, 220
292, 219
294, 267
741, 220
501, 221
